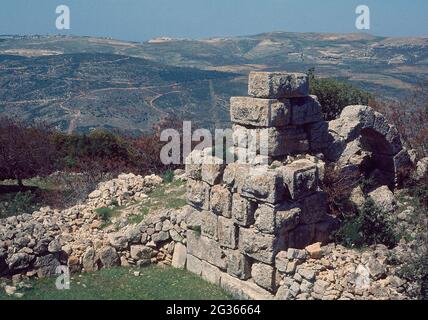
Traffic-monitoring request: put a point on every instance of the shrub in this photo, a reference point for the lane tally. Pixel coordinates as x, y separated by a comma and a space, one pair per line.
104, 213
410, 116
111, 152
146, 149
416, 270
19, 203
26, 150
335, 95
369, 227
168, 176
338, 189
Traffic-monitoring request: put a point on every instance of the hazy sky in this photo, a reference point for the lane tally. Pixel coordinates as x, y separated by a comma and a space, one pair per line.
141, 20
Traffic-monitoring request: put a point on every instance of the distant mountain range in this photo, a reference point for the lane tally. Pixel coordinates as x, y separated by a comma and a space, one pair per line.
82, 83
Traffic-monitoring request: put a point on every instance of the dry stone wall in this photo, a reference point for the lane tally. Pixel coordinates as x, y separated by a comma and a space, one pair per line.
36, 244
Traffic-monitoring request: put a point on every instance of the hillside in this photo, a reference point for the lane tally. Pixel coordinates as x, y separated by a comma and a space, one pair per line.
80, 83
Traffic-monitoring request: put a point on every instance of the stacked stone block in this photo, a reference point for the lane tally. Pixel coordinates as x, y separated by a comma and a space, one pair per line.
280, 105
250, 211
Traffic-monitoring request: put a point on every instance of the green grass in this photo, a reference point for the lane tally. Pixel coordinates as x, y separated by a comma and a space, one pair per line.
176, 203
17, 203
139, 218
171, 195
106, 214
44, 183
154, 283
167, 196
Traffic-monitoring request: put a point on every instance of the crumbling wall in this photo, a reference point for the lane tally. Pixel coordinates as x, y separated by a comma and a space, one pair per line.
253, 211
254, 226
361, 135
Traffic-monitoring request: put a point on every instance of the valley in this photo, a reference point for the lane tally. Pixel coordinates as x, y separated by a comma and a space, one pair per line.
83, 83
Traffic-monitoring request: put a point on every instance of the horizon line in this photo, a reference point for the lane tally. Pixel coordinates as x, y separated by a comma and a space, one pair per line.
212, 37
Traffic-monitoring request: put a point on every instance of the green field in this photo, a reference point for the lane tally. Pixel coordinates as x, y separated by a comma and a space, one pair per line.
153, 283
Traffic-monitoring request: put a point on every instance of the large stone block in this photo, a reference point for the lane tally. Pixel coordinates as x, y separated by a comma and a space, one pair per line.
193, 164
89, 260
394, 143
244, 290
243, 210
238, 265
399, 165
191, 217
209, 225
198, 194
318, 135
388, 144
265, 219
234, 175
272, 141
109, 257
227, 233
301, 178
351, 121
221, 201
276, 85
193, 264
212, 170
211, 273
260, 112
46, 265
261, 247
314, 208
281, 261
179, 256
205, 249
19, 261
264, 275
383, 198
305, 110
263, 184
139, 252
274, 219
287, 217
380, 124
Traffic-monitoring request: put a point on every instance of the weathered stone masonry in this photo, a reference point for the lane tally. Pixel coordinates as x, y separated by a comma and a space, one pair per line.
253, 212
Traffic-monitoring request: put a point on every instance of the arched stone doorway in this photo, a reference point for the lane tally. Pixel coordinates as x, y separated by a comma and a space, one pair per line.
363, 137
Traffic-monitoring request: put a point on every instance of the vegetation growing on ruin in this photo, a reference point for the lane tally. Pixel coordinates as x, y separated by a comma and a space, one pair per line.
335, 95
370, 226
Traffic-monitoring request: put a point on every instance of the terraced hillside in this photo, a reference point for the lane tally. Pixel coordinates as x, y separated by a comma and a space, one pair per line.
88, 90
80, 83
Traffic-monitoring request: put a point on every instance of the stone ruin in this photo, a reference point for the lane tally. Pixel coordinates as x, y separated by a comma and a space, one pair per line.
254, 226
249, 213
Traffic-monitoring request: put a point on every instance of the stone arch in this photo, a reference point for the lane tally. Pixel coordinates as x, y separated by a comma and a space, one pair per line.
361, 129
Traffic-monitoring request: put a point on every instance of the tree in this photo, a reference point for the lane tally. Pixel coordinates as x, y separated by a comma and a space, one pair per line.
335, 95
25, 150
410, 116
